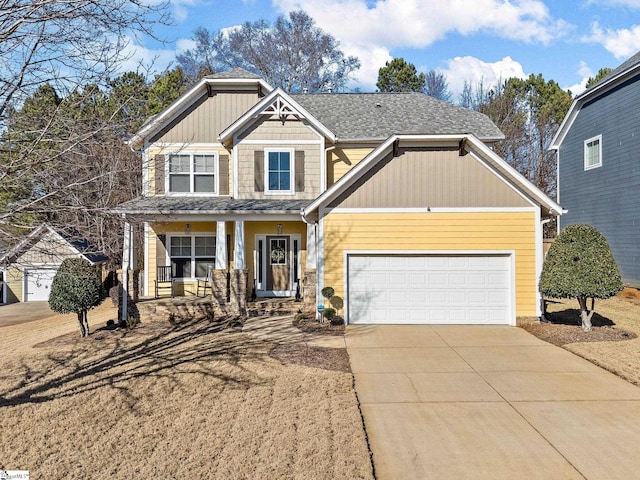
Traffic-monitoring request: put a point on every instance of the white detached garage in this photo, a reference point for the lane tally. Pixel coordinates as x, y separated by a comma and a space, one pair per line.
30, 266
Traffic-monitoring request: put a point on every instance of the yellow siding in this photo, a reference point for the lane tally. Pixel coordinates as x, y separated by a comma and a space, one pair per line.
435, 231
341, 160
159, 150
14, 284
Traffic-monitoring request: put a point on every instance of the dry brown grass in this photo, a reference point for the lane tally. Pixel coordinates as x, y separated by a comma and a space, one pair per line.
621, 313
194, 401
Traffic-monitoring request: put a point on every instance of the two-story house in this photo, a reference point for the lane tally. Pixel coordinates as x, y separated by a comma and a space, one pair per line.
597, 148
394, 200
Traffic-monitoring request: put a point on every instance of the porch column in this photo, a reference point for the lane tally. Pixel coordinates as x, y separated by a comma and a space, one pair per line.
311, 247
221, 246
238, 246
127, 257
309, 281
239, 276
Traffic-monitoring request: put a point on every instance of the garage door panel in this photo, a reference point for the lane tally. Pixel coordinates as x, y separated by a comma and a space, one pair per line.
38, 284
471, 289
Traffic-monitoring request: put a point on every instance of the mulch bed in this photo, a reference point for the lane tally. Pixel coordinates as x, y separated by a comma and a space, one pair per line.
319, 328
565, 327
335, 359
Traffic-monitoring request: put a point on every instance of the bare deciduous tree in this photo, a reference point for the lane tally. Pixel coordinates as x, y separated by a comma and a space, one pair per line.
61, 152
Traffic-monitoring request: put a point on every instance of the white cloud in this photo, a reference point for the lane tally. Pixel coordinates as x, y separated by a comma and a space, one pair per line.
475, 71
418, 24
617, 3
371, 60
621, 43
146, 61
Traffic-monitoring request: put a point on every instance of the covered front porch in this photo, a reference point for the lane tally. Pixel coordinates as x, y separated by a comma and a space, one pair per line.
232, 257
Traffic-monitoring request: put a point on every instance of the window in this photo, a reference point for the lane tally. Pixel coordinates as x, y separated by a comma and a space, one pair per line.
279, 171
192, 173
278, 255
593, 152
192, 255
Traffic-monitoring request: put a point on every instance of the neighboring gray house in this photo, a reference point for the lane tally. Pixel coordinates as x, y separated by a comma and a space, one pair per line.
598, 148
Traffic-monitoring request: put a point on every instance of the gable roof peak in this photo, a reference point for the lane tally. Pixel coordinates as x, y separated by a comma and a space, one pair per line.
234, 73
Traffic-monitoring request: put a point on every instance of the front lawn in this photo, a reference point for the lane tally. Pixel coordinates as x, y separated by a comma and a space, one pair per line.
194, 401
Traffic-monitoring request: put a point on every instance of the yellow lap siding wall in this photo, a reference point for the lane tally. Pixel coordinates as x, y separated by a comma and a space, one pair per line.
469, 231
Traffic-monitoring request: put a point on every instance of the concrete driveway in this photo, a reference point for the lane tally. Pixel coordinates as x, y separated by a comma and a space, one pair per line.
23, 312
484, 402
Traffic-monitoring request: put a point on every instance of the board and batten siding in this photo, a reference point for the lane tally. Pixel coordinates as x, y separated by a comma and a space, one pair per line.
207, 118
342, 159
450, 232
607, 197
273, 133
436, 178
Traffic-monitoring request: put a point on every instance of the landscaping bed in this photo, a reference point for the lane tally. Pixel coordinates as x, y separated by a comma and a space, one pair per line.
613, 342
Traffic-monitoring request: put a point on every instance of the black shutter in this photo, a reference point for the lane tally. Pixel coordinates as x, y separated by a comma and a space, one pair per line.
258, 171
299, 171
223, 175
158, 174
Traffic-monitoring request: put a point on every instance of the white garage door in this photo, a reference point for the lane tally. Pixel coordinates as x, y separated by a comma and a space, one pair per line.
38, 284
430, 289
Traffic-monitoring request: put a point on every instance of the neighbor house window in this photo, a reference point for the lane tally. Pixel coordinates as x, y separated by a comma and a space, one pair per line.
593, 152
192, 255
279, 171
192, 173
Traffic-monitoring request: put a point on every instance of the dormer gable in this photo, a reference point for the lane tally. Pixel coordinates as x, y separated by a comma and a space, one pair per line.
204, 110
278, 104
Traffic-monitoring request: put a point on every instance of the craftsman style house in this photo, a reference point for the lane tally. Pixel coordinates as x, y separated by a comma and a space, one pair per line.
395, 200
598, 169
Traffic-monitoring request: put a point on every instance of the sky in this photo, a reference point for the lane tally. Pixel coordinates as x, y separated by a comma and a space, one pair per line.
467, 40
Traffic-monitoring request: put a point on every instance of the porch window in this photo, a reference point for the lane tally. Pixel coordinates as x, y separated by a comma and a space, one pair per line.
279, 171
192, 173
593, 152
191, 255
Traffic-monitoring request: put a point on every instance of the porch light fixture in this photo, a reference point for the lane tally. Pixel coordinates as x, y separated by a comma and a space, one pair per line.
279, 229
187, 228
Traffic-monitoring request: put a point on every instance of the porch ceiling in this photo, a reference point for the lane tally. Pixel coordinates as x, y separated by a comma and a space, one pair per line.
209, 206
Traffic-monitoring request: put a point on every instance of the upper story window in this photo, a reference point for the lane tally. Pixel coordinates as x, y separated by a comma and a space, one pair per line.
593, 152
279, 171
192, 173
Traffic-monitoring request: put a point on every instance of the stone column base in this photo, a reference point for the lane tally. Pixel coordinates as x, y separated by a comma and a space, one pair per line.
220, 287
309, 290
238, 281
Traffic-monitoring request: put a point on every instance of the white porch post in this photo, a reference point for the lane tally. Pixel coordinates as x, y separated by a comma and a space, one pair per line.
221, 246
238, 246
311, 247
127, 247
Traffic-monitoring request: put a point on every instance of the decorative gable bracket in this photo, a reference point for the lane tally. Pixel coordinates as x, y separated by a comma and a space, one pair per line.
281, 108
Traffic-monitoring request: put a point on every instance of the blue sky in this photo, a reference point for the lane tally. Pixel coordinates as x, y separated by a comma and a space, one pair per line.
473, 40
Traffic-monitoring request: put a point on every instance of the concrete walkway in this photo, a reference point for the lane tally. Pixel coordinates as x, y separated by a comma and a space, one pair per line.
483, 402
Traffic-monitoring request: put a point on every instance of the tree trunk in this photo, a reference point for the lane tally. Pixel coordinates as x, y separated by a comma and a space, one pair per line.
86, 324
585, 314
81, 323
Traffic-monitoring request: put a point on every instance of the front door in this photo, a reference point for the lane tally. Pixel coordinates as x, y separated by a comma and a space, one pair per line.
277, 263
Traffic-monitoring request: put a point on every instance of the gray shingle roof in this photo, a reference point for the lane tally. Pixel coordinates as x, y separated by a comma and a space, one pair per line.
627, 65
210, 205
363, 116
234, 74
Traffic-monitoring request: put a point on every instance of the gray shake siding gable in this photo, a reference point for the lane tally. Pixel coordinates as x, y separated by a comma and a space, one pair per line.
607, 197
